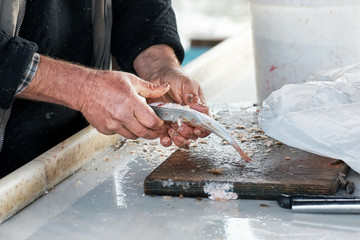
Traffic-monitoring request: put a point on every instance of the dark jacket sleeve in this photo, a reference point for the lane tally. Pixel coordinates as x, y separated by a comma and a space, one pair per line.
15, 55
141, 24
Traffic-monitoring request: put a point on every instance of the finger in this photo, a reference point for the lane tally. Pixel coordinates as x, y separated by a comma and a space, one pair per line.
149, 90
141, 131
202, 96
178, 139
184, 130
201, 133
165, 141
123, 131
203, 107
195, 103
147, 117
111, 127
174, 94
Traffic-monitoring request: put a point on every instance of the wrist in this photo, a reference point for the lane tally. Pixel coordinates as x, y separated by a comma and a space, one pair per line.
58, 82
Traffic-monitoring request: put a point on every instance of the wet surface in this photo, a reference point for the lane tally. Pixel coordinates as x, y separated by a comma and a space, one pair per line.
106, 200
276, 168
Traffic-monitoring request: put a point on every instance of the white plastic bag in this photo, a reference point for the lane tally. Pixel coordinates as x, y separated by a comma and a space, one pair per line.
321, 116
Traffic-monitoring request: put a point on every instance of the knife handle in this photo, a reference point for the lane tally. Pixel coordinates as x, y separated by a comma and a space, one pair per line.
319, 203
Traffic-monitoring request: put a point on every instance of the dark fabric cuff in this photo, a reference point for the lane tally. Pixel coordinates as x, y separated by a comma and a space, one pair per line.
15, 55
145, 38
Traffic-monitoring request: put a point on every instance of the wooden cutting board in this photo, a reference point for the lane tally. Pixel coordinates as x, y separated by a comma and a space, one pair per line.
211, 165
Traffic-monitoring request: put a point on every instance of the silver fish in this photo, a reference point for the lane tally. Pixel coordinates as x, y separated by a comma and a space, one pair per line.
175, 112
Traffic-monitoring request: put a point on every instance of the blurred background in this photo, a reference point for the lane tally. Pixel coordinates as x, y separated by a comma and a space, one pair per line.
204, 23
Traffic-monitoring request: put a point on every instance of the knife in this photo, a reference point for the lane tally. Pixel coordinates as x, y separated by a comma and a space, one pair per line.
319, 203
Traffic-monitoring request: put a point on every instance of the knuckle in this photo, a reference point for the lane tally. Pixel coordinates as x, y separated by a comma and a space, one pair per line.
152, 123
127, 134
132, 137
166, 141
112, 125
143, 132
104, 131
177, 139
186, 131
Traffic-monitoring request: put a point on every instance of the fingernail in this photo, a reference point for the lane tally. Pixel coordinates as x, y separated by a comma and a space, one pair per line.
189, 98
202, 104
164, 84
196, 100
166, 141
198, 132
173, 132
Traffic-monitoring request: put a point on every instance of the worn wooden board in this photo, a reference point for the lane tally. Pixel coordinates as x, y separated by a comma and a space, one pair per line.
276, 168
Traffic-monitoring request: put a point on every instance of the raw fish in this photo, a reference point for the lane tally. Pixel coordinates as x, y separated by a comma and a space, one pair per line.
175, 112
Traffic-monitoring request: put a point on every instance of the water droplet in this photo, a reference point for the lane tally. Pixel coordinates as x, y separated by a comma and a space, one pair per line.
48, 115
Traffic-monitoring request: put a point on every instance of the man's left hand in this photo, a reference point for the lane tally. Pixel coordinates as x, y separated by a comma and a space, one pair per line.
159, 65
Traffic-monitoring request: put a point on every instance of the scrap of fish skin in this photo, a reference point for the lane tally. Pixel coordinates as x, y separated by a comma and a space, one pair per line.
173, 112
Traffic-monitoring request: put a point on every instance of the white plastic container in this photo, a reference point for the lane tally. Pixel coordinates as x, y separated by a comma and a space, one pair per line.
293, 39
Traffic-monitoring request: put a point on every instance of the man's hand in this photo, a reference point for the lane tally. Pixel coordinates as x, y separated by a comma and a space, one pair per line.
183, 91
158, 64
113, 105
109, 100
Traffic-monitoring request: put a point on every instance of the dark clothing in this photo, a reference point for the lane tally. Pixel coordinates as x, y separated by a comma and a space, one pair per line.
60, 28
15, 55
63, 29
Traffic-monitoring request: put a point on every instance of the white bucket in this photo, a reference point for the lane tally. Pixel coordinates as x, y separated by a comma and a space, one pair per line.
293, 39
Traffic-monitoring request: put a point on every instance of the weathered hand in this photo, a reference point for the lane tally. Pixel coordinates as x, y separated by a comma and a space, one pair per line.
112, 104
109, 100
185, 91
158, 64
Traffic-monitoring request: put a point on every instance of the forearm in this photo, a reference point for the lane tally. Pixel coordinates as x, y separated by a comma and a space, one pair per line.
58, 82
154, 61
109, 100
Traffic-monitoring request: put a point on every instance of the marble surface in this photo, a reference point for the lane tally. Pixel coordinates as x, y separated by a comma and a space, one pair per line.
105, 200
32, 180
52, 167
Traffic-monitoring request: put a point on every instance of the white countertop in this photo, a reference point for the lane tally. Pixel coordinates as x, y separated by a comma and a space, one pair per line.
105, 199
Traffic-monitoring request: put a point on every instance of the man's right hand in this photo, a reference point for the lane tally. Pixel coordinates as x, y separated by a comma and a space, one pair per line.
111, 103
109, 100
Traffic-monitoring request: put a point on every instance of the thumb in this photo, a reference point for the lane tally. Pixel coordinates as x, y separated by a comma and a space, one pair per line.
148, 89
